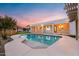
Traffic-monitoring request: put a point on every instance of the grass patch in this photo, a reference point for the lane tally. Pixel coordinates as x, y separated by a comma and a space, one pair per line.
22, 33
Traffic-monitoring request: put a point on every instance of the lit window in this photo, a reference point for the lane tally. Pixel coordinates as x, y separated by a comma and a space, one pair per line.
47, 28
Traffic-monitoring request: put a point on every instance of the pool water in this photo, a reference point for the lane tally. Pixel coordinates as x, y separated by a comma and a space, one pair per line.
45, 39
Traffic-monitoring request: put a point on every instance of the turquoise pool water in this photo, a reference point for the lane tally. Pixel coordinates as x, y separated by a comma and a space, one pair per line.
45, 39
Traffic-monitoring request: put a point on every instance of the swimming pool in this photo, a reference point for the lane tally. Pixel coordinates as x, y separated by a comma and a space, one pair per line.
45, 39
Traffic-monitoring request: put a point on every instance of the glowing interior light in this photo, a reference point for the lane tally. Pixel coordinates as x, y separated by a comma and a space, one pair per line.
48, 28
61, 26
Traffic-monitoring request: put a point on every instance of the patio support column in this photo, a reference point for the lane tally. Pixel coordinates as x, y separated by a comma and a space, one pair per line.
51, 28
42, 29
76, 22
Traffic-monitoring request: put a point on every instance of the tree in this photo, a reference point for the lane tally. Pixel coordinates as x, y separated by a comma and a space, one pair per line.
28, 28
6, 23
24, 29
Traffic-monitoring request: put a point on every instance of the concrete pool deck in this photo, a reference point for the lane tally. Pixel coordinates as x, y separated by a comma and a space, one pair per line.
65, 46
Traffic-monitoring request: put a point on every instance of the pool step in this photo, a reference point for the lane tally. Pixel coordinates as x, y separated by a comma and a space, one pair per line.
35, 45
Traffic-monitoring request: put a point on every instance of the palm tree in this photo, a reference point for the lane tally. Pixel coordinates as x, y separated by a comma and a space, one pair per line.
6, 23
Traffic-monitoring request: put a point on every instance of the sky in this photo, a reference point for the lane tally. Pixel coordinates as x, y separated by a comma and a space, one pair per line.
31, 13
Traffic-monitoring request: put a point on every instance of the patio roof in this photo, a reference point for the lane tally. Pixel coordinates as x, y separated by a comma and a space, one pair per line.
60, 21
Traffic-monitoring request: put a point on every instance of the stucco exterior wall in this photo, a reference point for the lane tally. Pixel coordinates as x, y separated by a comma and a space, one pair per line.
72, 28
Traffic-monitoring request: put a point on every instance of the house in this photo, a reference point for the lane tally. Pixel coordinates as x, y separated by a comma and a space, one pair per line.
61, 26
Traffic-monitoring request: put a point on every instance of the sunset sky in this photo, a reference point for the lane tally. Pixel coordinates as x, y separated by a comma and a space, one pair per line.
30, 13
